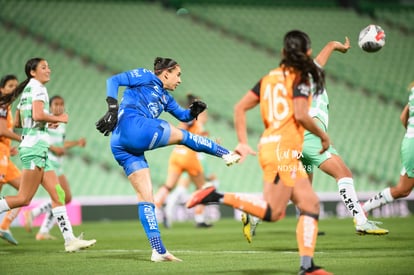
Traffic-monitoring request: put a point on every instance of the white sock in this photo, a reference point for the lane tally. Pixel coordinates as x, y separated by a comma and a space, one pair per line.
378, 200
254, 220
3, 205
199, 218
47, 223
350, 199
173, 197
171, 203
43, 208
180, 191
63, 222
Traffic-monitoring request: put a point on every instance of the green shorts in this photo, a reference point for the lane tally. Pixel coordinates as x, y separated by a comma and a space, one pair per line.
32, 157
407, 157
310, 152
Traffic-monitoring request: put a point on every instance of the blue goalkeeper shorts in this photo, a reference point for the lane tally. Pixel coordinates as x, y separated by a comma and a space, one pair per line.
134, 135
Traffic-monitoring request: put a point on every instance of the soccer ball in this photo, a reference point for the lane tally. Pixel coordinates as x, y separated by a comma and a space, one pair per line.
371, 39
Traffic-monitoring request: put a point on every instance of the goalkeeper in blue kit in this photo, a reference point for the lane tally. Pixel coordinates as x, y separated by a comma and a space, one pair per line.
136, 128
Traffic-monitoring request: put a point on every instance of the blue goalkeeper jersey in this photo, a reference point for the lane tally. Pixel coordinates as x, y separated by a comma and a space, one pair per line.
144, 93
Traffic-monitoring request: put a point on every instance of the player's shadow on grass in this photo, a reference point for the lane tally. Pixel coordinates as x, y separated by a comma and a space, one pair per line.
257, 271
126, 256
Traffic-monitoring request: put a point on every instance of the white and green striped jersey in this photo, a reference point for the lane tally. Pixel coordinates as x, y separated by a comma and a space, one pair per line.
34, 133
57, 139
410, 123
320, 108
320, 104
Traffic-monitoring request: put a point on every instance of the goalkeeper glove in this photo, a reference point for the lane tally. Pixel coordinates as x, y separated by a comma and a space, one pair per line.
107, 123
197, 107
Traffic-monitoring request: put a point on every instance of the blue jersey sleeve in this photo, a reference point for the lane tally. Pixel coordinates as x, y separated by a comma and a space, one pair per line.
132, 78
177, 111
113, 83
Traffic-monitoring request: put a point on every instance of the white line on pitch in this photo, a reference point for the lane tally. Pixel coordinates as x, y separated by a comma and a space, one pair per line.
187, 251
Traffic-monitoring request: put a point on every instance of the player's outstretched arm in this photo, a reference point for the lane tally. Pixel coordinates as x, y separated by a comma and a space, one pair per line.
73, 143
107, 123
404, 116
196, 108
322, 58
249, 101
6, 132
301, 111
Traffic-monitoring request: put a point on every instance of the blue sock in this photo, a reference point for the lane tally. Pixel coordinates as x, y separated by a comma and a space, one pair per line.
203, 144
146, 214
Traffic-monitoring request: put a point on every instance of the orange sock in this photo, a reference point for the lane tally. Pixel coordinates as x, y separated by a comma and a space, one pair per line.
306, 234
161, 195
9, 218
249, 204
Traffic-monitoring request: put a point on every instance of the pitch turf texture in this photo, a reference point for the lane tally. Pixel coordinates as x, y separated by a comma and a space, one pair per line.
123, 249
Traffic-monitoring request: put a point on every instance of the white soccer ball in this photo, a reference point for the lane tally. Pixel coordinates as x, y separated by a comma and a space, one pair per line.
371, 39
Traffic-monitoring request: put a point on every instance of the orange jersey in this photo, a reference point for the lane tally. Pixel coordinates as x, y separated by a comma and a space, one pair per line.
183, 159
5, 113
277, 90
8, 171
280, 145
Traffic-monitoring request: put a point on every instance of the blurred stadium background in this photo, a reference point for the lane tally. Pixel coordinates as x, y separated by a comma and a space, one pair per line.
224, 47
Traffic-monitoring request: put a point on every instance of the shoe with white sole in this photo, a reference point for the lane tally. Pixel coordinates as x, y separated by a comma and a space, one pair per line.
370, 228
78, 244
166, 257
231, 158
245, 218
7, 236
202, 196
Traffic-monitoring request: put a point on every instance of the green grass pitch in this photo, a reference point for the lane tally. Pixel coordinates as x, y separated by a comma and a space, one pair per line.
122, 248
